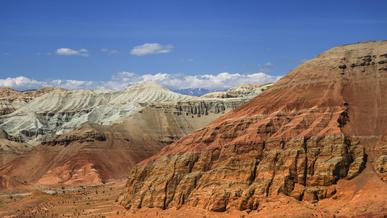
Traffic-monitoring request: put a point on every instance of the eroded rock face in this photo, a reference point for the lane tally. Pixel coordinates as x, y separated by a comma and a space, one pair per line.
90, 135
239, 173
63, 111
242, 91
97, 153
313, 128
380, 154
199, 108
11, 100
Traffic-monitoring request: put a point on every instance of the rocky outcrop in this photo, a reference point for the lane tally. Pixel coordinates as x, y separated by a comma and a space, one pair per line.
381, 164
249, 90
380, 156
205, 107
11, 100
88, 135
314, 128
242, 91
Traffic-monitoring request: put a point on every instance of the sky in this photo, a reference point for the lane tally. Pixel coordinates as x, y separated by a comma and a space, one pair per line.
179, 43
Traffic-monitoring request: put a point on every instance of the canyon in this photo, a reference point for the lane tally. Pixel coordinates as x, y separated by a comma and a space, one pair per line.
313, 144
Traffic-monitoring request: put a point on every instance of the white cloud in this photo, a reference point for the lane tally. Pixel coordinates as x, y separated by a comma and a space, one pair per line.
218, 81
121, 80
110, 51
72, 52
222, 80
24, 83
20, 82
72, 84
151, 48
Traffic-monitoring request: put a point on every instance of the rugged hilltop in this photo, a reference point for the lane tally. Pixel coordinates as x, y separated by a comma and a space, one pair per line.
11, 100
317, 135
241, 91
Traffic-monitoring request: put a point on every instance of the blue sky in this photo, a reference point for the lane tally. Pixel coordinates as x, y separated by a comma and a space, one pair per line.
189, 37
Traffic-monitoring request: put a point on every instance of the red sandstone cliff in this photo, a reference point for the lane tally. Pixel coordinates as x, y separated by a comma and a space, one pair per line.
308, 137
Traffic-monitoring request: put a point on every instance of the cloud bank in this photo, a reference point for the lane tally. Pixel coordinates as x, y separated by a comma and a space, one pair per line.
150, 48
121, 80
25, 83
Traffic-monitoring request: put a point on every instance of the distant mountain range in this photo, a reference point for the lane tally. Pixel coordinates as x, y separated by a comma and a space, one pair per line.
194, 91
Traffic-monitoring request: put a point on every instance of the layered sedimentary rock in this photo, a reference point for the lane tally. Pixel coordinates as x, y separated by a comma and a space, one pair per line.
323, 123
84, 137
241, 91
11, 100
61, 111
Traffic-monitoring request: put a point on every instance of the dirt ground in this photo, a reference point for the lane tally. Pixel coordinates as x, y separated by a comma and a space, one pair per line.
82, 201
363, 196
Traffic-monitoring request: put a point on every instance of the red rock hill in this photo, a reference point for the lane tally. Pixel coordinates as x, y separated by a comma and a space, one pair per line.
317, 128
